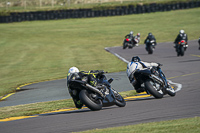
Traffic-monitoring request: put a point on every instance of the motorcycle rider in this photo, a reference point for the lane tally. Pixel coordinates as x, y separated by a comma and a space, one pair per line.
138, 38
136, 65
150, 37
130, 35
181, 36
88, 76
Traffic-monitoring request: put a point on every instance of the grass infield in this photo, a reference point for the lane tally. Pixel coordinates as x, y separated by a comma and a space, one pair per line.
187, 125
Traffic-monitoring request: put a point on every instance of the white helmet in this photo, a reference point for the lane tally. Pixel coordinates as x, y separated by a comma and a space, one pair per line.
181, 31
73, 70
131, 32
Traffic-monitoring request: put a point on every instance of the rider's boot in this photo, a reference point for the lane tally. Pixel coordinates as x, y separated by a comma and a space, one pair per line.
78, 103
140, 90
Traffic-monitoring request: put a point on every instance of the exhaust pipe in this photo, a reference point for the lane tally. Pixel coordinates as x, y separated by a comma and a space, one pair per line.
95, 90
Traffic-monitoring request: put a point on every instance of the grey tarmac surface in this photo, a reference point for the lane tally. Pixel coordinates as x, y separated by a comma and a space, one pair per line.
184, 70
57, 90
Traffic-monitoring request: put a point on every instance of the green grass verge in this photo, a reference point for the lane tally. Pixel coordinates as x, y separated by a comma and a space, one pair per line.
187, 125
40, 50
43, 107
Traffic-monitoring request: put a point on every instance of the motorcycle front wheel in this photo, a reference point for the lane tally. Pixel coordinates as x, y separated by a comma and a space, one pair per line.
119, 100
88, 98
125, 45
171, 92
153, 88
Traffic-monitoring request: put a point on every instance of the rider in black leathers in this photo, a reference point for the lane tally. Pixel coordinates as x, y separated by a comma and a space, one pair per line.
130, 35
150, 37
88, 76
181, 36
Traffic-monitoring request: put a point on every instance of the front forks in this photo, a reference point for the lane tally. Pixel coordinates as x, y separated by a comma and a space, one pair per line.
161, 74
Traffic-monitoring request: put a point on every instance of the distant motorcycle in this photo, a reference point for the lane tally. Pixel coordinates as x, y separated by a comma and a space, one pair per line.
150, 46
130, 43
97, 97
136, 40
127, 43
181, 48
153, 80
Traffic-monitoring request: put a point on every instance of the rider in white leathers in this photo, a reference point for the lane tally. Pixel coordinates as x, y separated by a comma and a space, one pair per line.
137, 64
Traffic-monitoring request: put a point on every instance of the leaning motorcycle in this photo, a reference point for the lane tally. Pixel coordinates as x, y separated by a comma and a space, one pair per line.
128, 43
154, 82
97, 97
181, 48
150, 46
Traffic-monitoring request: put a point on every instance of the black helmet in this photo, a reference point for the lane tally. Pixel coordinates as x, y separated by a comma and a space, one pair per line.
150, 34
136, 59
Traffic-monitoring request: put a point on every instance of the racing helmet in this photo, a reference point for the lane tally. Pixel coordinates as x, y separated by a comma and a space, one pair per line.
181, 31
136, 59
138, 34
73, 70
150, 34
131, 32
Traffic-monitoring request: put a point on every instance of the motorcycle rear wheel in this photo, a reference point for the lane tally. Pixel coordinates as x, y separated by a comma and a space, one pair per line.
182, 51
150, 50
153, 89
87, 99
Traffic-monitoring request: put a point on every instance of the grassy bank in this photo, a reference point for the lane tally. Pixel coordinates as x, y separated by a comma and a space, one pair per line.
40, 50
188, 125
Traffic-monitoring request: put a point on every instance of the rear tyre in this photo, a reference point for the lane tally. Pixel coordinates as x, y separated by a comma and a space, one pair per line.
182, 51
150, 50
89, 100
154, 89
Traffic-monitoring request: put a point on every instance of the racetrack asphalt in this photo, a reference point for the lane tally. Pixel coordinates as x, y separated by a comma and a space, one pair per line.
56, 90
183, 70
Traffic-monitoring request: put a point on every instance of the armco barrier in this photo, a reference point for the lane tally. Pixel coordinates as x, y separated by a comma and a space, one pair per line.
85, 13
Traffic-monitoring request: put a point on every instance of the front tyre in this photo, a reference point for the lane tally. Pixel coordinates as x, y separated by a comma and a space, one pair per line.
90, 101
119, 100
154, 89
171, 91
125, 45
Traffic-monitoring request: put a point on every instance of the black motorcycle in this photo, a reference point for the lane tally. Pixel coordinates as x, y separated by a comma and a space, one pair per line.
181, 48
154, 82
128, 42
97, 97
150, 46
